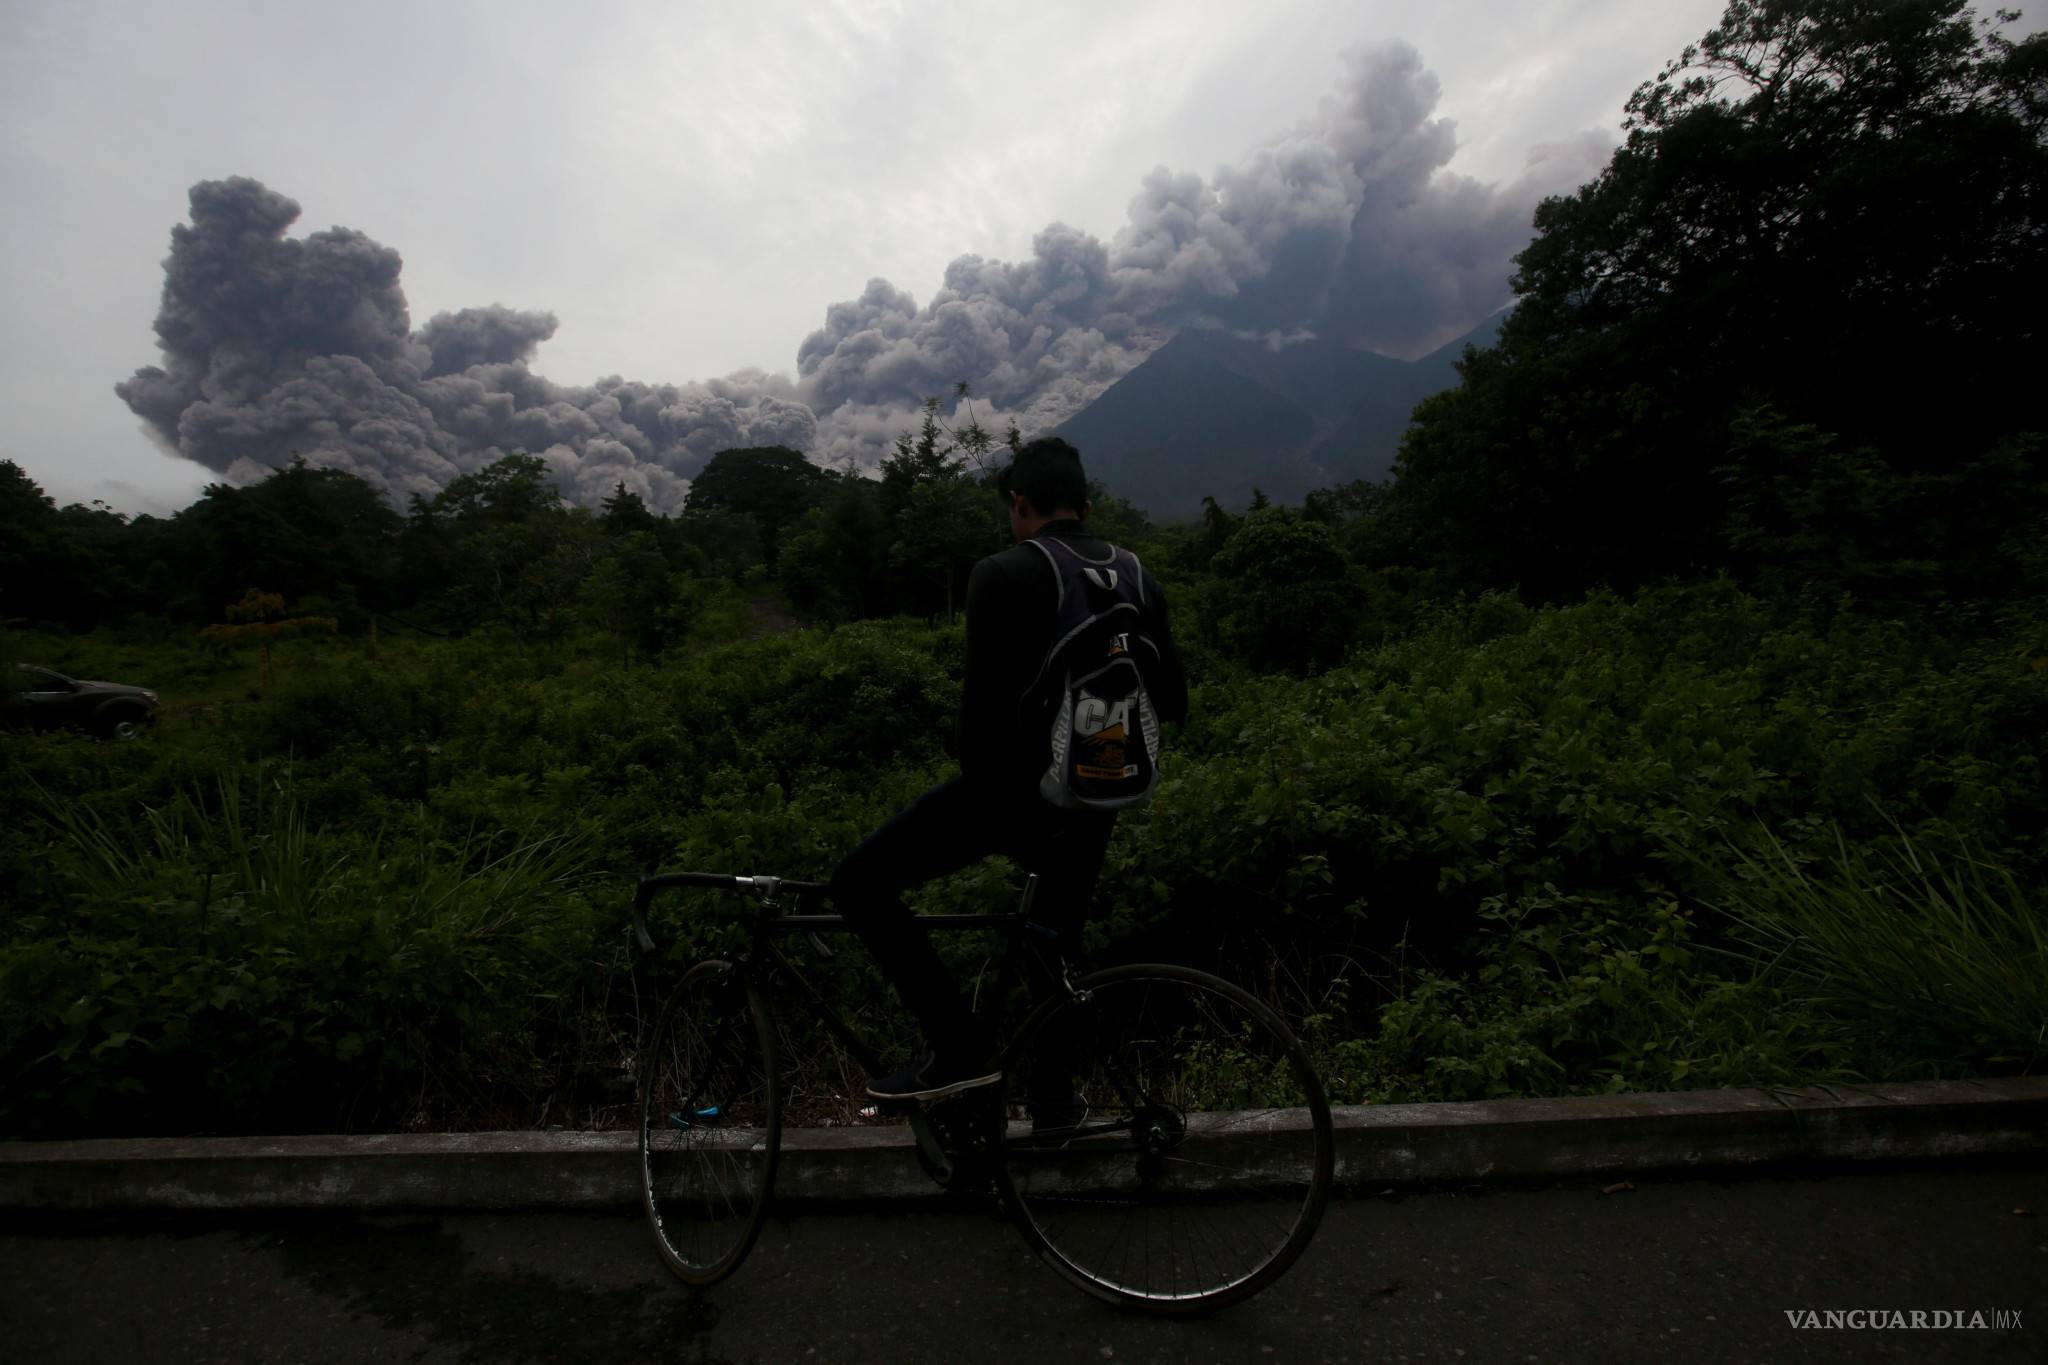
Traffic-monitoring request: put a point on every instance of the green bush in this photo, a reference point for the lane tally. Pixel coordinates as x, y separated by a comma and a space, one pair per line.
1285, 596
217, 965
1505, 775
1478, 856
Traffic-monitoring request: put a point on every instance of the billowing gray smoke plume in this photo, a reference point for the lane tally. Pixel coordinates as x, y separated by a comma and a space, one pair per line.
275, 348
1348, 227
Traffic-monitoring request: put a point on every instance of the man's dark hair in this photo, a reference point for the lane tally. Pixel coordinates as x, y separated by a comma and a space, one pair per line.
1047, 471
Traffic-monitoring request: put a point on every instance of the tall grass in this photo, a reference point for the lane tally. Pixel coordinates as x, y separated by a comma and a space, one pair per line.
217, 963
1938, 956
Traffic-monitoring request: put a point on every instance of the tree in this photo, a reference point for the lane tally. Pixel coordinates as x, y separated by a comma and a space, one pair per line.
1347, 502
257, 619
631, 593
624, 512
1827, 206
510, 491
939, 451
770, 485
28, 522
1115, 519
73, 566
715, 541
942, 517
830, 560
941, 527
305, 531
1814, 517
1217, 527
499, 545
1290, 599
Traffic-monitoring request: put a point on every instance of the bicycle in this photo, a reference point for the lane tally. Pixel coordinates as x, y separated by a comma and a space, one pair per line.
1159, 1137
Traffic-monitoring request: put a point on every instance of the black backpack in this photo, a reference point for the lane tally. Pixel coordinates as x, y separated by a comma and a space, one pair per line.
1105, 734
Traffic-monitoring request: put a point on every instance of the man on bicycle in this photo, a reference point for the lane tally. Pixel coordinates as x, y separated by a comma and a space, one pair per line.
995, 805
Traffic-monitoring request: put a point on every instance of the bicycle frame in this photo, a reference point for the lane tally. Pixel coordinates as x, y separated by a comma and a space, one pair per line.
763, 962
1084, 1196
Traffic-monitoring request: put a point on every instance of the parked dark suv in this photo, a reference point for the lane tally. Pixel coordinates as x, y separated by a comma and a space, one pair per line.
47, 700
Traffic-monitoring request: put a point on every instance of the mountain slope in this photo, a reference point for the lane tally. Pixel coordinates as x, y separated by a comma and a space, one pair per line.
1179, 426
1210, 414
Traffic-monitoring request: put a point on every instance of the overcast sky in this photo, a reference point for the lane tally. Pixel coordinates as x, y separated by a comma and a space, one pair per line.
687, 187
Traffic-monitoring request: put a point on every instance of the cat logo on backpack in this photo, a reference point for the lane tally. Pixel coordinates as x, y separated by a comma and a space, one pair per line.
1101, 733
1105, 735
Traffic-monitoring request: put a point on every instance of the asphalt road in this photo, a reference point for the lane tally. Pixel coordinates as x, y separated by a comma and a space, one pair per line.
1673, 1270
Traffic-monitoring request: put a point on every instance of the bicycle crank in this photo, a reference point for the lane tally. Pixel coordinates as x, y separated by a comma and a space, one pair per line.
956, 1139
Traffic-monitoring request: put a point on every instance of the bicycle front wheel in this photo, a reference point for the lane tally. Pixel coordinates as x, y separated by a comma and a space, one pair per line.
1168, 1145
710, 1123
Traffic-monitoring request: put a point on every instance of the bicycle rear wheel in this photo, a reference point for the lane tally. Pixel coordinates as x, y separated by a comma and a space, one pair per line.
710, 1123
1183, 1152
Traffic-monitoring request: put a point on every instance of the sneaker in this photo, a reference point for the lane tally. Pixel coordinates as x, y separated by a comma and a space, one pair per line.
928, 1078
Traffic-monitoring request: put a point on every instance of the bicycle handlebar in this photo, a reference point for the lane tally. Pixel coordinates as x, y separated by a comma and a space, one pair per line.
649, 887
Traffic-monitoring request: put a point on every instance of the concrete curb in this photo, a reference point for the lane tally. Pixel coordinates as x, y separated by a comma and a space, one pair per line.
1376, 1146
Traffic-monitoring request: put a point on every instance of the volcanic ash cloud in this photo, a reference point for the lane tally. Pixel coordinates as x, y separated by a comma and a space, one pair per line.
275, 347
1347, 227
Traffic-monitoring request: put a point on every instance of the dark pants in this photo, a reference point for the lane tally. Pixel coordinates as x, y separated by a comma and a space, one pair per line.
948, 828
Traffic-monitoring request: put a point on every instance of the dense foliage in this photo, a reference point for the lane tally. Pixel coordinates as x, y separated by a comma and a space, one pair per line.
1485, 855
1789, 329
1672, 719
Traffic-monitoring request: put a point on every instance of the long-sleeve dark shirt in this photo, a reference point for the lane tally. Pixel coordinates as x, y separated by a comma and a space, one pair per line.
1005, 736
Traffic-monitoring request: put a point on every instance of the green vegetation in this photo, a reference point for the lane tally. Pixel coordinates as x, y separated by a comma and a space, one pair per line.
1507, 851
1787, 331
1931, 952
1673, 719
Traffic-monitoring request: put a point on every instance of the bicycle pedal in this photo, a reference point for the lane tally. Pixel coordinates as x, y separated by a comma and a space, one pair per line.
963, 1130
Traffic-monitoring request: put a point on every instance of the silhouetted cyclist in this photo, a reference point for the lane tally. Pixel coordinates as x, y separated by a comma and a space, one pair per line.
1000, 802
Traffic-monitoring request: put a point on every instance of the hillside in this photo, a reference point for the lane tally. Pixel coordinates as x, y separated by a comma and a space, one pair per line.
1214, 415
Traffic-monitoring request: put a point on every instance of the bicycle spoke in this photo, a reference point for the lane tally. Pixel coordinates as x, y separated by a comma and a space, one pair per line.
710, 1124
1219, 1152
